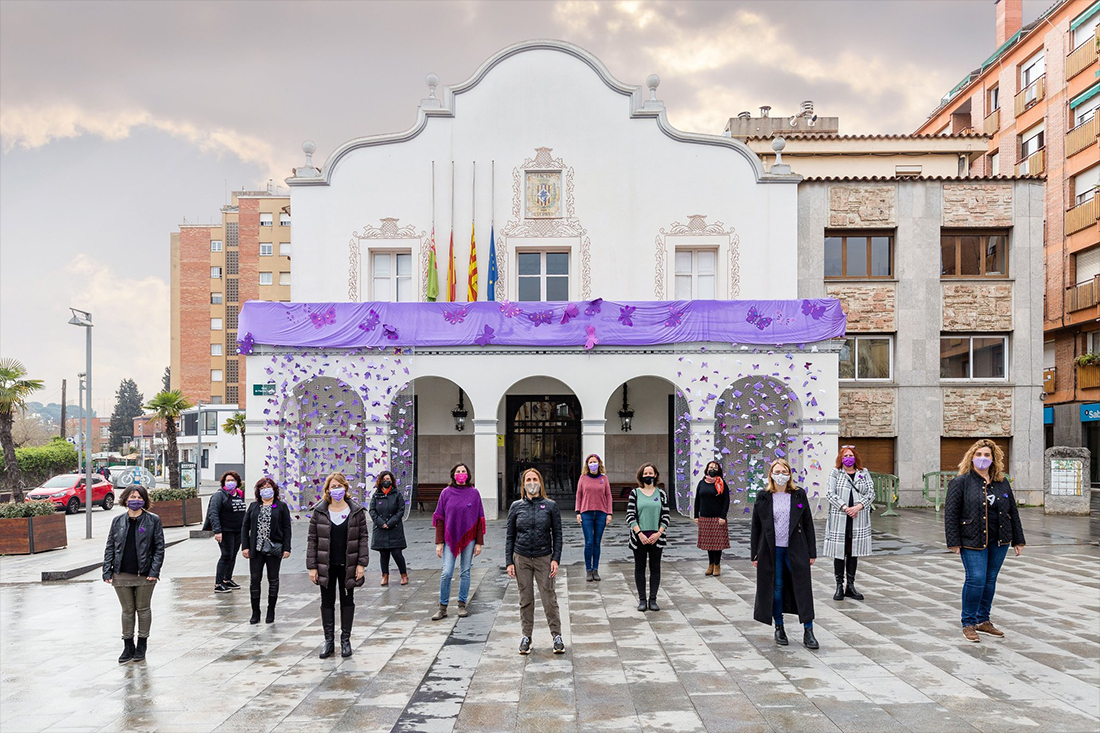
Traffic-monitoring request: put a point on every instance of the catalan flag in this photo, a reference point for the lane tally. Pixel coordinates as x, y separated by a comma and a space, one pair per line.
471, 282
492, 294
433, 271
451, 282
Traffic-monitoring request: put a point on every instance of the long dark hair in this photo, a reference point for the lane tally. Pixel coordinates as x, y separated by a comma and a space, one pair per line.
267, 481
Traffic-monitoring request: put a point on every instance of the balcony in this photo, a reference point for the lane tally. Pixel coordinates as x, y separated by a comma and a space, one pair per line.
1082, 216
1032, 165
1080, 58
1083, 295
993, 122
1088, 377
1030, 95
1049, 381
1082, 136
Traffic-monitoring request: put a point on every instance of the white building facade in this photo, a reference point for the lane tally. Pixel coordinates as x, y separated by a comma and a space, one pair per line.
590, 197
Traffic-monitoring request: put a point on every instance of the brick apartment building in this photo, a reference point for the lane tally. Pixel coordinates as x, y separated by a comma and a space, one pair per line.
214, 270
1036, 98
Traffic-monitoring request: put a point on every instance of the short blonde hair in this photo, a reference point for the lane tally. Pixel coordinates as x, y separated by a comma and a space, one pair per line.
542, 484
334, 478
772, 486
996, 471
600, 471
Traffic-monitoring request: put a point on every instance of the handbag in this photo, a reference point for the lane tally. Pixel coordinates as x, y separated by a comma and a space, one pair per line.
267, 547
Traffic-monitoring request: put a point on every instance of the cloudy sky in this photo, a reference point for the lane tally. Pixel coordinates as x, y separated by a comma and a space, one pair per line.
118, 121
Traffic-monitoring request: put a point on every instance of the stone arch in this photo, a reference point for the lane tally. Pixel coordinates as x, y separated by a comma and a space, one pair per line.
540, 417
325, 432
757, 419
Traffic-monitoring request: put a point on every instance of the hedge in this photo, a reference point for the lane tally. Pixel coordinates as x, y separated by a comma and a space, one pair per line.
21, 509
172, 494
44, 462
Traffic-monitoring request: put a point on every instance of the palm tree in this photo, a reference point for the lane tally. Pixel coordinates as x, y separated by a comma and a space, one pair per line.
234, 425
14, 391
168, 406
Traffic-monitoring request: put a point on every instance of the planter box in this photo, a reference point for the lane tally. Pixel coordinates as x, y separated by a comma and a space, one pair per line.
178, 513
29, 535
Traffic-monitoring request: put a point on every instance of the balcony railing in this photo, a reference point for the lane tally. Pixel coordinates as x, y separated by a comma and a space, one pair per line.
1082, 216
993, 122
1030, 95
1082, 136
1081, 58
1088, 377
1049, 381
1083, 295
1032, 165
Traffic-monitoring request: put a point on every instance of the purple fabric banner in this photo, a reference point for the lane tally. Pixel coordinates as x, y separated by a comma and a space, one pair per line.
589, 324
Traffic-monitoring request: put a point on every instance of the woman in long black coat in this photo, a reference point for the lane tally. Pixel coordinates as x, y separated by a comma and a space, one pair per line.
387, 511
783, 549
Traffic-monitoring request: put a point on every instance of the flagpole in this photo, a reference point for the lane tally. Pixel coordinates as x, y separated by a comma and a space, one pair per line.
473, 226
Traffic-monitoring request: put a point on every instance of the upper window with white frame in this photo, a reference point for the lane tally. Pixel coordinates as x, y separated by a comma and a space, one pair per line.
1086, 265
215, 298
696, 272
995, 164
215, 324
216, 350
215, 375
1086, 31
859, 255
1032, 141
542, 275
1085, 184
1031, 70
994, 99
973, 254
973, 357
215, 245
267, 278
1086, 111
284, 249
284, 219
215, 273
867, 358
267, 249
392, 276
284, 278
266, 220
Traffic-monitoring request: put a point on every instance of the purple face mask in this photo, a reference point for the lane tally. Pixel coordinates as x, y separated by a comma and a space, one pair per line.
267, 492
848, 461
982, 463
230, 485
337, 494
135, 504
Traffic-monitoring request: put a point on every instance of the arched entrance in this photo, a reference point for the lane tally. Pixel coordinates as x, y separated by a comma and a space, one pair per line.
756, 421
542, 419
330, 421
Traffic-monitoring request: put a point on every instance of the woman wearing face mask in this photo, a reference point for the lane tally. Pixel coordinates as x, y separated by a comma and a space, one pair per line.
783, 548
647, 516
980, 521
532, 553
459, 522
850, 494
265, 537
225, 517
593, 512
387, 510
712, 508
337, 553
131, 563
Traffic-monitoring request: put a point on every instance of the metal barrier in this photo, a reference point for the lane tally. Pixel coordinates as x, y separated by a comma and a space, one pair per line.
886, 492
935, 486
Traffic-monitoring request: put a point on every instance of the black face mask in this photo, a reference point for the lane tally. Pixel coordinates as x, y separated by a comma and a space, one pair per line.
647, 480
712, 472
386, 483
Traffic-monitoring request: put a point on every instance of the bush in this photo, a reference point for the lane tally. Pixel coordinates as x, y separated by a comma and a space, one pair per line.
1085, 360
22, 509
167, 494
44, 462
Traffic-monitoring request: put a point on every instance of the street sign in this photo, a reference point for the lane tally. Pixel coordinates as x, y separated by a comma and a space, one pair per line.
263, 390
187, 476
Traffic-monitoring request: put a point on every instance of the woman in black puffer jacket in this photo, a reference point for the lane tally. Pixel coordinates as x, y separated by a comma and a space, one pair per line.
532, 552
980, 522
387, 511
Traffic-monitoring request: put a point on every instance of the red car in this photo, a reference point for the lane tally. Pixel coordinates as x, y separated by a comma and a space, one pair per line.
67, 491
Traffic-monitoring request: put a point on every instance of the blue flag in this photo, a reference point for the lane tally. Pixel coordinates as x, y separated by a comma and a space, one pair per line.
492, 292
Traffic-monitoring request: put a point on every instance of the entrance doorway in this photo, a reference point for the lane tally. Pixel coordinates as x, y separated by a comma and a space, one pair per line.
543, 433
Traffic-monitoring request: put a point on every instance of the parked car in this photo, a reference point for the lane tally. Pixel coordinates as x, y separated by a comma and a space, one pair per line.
67, 491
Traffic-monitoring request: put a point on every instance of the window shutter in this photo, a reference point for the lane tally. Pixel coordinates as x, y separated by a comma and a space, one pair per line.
1088, 265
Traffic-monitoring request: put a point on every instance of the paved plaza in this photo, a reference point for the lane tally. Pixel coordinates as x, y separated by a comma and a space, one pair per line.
894, 662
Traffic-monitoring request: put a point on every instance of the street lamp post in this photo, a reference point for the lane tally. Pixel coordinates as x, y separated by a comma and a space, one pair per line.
79, 441
141, 445
84, 320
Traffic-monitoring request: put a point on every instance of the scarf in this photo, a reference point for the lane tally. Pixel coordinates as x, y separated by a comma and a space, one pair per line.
460, 512
237, 492
386, 490
719, 485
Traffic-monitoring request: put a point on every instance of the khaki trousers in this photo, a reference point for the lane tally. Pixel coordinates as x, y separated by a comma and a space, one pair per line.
531, 570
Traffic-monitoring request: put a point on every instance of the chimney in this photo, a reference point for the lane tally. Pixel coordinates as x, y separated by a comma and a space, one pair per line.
1010, 18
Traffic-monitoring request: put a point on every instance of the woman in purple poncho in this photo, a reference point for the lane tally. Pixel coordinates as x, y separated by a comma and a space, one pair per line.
459, 522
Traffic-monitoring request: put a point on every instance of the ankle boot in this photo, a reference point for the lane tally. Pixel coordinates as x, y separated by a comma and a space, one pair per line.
780, 635
463, 612
127, 651
404, 578
272, 599
441, 613
808, 639
347, 615
385, 579
255, 608
838, 595
718, 571
851, 591
643, 604
710, 569
139, 650
328, 625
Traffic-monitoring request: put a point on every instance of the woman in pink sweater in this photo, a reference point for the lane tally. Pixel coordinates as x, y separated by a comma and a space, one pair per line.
593, 512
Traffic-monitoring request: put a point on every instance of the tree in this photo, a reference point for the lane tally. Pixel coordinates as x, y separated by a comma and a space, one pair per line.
127, 407
166, 380
168, 406
234, 425
29, 430
14, 391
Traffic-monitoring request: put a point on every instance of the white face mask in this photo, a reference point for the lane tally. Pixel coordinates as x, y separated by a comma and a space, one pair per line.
781, 479
532, 488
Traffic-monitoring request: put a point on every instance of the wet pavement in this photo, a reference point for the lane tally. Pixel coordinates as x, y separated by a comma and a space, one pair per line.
896, 661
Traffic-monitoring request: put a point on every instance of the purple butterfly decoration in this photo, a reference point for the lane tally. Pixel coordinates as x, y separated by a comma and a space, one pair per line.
675, 316
758, 320
541, 317
593, 307
245, 344
625, 313
486, 336
571, 311
813, 311
320, 319
455, 317
390, 331
510, 309
372, 321
591, 341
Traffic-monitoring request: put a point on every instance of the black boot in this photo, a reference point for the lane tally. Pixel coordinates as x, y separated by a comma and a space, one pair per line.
838, 595
347, 614
328, 625
272, 598
255, 596
139, 650
653, 604
808, 639
643, 604
127, 651
780, 635
851, 591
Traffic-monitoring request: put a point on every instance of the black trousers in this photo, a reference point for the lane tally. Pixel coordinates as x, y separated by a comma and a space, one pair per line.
652, 554
715, 557
384, 561
336, 578
257, 561
231, 545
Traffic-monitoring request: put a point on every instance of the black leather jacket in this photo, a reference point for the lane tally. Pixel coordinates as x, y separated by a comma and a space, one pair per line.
534, 530
150, 546
964, 513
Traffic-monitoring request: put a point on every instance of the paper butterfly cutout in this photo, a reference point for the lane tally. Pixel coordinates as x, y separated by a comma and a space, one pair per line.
455, 317
390, 331
591, 340
541, 317
813, 311
761, 322
245, 344
510, 309
320, 319
571, 311
372, 321
675, 316
486, 336
625, 313
593, 307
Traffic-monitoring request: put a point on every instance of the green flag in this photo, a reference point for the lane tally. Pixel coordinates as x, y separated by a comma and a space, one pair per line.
433, 272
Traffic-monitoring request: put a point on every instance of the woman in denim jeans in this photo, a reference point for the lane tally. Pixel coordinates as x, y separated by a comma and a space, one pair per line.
980, 521
593, 505
459, 522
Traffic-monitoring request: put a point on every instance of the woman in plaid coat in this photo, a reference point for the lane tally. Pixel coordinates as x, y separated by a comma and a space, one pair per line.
850, 494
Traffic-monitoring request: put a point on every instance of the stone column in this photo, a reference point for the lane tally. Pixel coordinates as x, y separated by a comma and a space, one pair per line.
594, 437
485, 464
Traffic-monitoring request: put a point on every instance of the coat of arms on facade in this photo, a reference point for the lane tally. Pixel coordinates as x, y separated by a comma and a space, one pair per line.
543, 195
